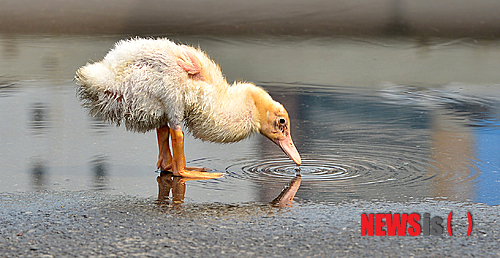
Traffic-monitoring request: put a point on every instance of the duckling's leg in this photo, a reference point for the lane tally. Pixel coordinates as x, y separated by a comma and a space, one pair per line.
179, 161
164, 156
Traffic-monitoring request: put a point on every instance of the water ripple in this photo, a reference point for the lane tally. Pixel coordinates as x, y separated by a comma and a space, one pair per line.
370, 171
372, 167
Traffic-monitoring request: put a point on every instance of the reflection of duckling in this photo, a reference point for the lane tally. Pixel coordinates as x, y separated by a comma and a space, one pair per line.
155, 84
168, 182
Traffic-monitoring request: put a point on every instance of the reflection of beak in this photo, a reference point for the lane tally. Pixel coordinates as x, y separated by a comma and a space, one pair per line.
288, 147
286, 196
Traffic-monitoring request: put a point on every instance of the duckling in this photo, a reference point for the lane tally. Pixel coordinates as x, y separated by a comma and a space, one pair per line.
149, 84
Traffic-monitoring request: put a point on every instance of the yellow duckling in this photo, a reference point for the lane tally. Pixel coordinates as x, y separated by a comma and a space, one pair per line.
151, 84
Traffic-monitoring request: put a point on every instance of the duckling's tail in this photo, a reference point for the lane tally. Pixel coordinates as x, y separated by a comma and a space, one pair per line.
115, 102
95, 94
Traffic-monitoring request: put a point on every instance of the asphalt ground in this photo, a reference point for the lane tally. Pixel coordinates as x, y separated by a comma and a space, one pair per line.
88, 223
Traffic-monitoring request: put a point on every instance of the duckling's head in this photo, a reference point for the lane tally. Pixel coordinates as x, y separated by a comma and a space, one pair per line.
274, 123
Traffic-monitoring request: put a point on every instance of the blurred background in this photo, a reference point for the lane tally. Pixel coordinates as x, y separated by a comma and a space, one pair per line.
434, 42
423, 19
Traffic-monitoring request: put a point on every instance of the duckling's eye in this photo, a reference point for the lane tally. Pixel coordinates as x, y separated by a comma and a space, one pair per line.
282, 121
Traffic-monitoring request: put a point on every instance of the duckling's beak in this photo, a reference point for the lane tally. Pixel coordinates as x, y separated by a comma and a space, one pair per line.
289, 149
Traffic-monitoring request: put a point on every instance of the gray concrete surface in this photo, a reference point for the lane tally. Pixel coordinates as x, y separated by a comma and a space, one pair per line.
85, 223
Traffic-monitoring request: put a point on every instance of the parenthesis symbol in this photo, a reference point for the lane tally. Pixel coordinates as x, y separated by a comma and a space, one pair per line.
469, 216
449, 223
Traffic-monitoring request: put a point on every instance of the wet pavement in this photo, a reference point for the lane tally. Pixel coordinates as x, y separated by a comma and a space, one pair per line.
88, 223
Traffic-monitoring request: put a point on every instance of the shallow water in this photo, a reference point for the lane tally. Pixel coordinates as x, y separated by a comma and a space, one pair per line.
379, 119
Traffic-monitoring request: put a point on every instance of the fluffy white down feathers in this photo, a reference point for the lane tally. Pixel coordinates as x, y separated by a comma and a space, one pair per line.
140, 84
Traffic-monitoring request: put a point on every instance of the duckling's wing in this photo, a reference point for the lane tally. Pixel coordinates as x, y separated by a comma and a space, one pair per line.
138, 83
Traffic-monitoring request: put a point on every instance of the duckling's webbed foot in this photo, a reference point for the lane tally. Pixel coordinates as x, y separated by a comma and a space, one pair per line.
197, 174
199, 169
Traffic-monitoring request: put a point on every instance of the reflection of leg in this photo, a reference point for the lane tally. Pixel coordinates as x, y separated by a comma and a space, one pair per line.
166, 182
179, 160
178, 190
164, 185
164, 156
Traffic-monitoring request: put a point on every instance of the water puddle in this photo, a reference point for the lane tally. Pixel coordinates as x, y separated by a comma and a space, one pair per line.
364, 145
387, 142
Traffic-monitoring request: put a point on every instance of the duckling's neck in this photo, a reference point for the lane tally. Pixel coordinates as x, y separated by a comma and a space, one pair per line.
224, 115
